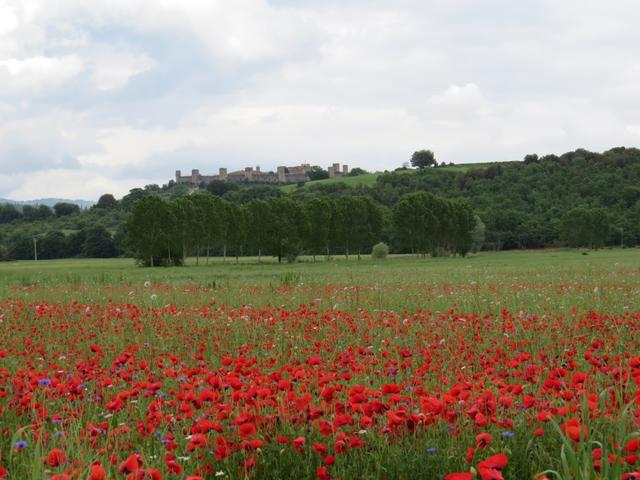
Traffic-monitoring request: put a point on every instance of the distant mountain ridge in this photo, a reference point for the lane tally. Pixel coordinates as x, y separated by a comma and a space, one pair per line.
50, 202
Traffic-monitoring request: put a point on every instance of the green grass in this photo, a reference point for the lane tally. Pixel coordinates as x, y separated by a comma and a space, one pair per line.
558, 279
369, 179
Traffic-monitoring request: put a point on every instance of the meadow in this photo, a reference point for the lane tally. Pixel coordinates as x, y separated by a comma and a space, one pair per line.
511, 365
369, 179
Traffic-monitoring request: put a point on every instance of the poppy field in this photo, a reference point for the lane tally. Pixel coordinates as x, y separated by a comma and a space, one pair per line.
502, 365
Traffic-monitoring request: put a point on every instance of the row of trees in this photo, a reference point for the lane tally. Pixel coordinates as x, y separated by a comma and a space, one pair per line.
89, 242
161, 232
586, 227
32, 213
425, 224
29, 213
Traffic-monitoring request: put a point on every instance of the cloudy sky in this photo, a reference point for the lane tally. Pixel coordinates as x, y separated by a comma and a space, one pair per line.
106, 95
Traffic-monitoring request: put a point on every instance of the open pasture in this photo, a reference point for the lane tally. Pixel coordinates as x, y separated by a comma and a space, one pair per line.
499, 365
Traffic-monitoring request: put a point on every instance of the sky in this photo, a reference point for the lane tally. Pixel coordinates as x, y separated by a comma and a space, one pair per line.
103, 96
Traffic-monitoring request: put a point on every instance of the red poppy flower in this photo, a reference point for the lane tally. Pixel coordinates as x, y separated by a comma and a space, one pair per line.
97, 472
56, 457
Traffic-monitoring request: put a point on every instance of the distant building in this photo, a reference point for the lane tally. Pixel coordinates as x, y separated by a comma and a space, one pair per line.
334, 170
298, 173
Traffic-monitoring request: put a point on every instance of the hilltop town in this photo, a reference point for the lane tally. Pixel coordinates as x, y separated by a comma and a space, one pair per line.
283, 174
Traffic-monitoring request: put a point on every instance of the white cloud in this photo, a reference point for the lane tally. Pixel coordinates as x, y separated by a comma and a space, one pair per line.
363, 83
458, 104
8, 19
37, 73
123, 146
64, 183
235, 32
634, 130
113, 70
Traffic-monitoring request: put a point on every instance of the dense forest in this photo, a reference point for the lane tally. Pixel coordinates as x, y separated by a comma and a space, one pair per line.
578, 199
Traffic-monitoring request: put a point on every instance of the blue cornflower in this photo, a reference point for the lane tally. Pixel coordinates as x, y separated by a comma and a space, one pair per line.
20, 444
432, 450
507, 434
44, 382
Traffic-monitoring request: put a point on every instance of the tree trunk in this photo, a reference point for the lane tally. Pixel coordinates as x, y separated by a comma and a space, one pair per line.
224, 254
207, 254
259, 255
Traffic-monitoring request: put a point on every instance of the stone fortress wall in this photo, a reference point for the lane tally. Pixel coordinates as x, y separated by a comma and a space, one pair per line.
298, 173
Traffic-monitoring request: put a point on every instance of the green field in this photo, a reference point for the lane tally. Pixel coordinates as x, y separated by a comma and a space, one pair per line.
555, 279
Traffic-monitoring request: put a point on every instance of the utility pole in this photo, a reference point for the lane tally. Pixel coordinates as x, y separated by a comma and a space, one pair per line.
35, 249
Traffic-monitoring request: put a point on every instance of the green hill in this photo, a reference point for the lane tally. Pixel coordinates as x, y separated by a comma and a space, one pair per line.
535, 203
369, 179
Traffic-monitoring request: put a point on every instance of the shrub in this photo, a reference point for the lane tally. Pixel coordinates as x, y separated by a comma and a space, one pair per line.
380, 251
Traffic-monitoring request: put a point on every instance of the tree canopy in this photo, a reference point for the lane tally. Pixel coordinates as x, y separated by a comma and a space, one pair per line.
423, 159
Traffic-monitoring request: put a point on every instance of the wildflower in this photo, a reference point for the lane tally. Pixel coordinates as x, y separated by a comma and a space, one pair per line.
97, 472
632, 445
298, 444
432, 450
322, 473
131, 464
56, 457
44, 382
20, 444
484, 440
247, 430
459, 476
574, 430
491, 468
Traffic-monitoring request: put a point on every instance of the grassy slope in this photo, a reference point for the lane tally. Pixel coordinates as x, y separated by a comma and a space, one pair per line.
370, 178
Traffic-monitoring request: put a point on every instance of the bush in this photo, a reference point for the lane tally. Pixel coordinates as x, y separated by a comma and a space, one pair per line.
356, 171
380, 251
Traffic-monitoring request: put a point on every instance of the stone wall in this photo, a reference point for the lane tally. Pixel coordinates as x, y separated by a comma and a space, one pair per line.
298, 173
